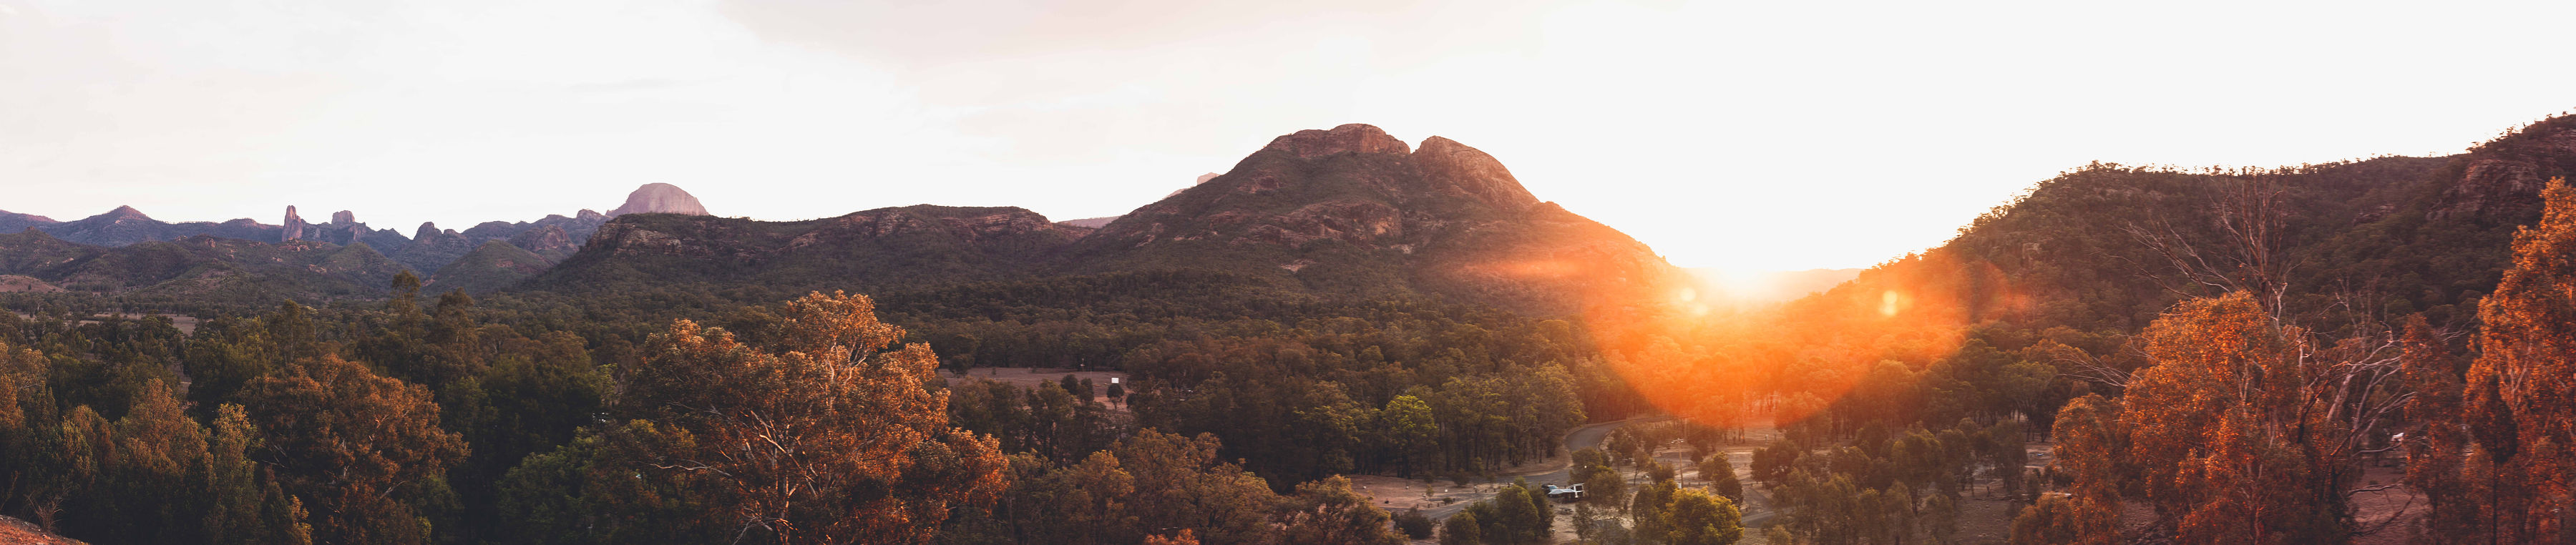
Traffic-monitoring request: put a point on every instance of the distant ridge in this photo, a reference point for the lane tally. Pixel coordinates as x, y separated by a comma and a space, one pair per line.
1346, 213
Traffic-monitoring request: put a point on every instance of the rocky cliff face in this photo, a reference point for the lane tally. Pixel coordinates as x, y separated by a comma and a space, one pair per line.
660, 198
1457, 170
549, 242
1351, 138
293, 225
2500, 181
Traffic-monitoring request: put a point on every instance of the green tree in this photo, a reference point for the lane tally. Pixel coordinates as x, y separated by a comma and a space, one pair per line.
1518, 516
352, 444
1720, 474
247, 507
1698, 518
1410, 431
1461, 529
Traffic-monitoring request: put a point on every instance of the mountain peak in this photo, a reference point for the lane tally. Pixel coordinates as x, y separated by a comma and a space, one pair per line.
1354, 137
125, 212
660, 197
1458, 169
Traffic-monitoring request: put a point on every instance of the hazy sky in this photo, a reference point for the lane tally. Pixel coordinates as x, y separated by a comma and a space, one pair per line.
1754, 135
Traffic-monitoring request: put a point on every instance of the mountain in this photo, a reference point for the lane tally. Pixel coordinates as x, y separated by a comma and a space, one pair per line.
125, 225
1343, 213
432, 248
575, 229
201, 269
907, 246
491, 266
2106, 247
1355, 211
660, 198
11, 222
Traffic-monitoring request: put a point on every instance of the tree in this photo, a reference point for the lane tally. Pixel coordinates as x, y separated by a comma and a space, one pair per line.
2518, 389
1185, 537
2437, 459
350, 443
2047, 522
1650, 511
1410, 432
2092, 448
1461, 529
2233, 440
1327, 511
1720, 474
1941, 518
160, 461
819, 438
247, 507
1414, 524
1180, 482
1519, 517
1698, 518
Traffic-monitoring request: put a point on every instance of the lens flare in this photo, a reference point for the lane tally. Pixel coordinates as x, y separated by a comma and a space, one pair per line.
1739, 367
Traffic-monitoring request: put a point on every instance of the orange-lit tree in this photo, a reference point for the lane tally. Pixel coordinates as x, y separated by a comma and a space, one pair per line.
2246, 432
821, 438
2518, 391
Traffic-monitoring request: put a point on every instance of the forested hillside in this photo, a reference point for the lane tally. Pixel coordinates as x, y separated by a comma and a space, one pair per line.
2104, 316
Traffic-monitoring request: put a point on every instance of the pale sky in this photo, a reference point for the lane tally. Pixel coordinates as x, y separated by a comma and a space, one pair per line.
1752, 135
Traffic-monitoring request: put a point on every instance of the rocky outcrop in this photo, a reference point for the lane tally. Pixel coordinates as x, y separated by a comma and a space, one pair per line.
1293, 192
1351, 138
1353, 209
549, 242
1458, 170
1350, 220
294, 226
660, 198
1203, 179
2499, 182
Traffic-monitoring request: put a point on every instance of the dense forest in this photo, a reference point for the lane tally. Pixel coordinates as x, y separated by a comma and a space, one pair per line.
452, 420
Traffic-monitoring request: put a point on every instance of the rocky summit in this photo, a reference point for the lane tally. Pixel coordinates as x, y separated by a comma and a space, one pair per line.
1354, 210
660, 198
